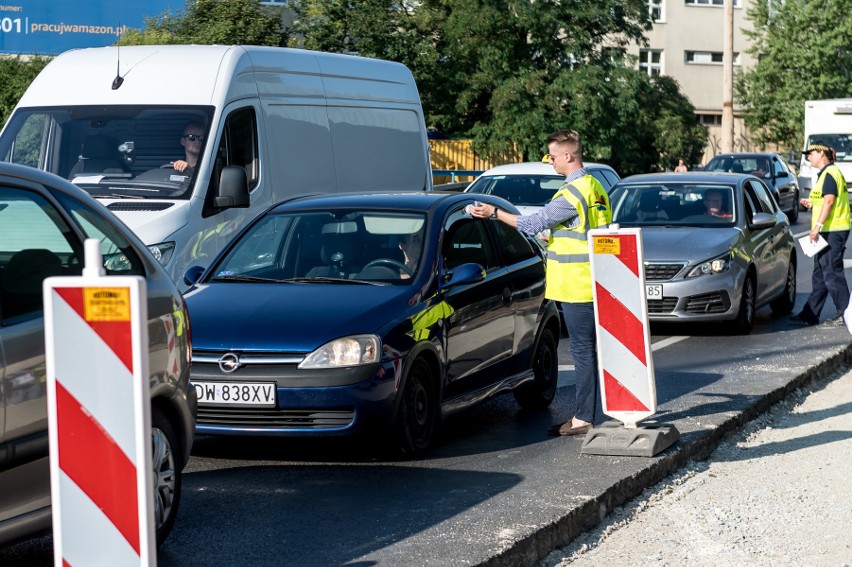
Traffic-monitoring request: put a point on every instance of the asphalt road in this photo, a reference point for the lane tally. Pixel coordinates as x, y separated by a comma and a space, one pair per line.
494, 480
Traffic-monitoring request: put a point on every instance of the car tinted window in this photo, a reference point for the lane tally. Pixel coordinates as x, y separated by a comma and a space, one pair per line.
611, 176
525, 190
514, 246
599, 175
35, 243
779, 166
767, 203
755, 165
119, 256
465, 240
676, 204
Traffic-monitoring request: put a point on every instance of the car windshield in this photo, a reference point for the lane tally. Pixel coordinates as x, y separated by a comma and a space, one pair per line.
755, 165
111, 151
339, 246
674, 204
842, 144
524, 190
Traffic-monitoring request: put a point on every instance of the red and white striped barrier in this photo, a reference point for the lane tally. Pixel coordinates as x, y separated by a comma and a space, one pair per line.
625, 362
99, 420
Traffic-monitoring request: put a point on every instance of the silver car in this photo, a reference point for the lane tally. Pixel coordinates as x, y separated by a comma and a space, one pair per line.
44, 221
717, 247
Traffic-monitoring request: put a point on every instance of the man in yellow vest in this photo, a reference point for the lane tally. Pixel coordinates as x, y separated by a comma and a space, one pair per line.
830, 218
579, 205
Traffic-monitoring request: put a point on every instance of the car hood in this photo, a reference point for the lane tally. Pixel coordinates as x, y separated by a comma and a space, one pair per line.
295, 318
687, 243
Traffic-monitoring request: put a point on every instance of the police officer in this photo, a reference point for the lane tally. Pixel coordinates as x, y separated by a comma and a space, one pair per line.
579, 205
830, 218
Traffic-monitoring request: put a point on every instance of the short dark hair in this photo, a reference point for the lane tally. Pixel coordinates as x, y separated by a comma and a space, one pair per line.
565, 137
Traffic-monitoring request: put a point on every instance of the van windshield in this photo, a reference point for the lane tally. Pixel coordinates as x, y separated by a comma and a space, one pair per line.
117, 152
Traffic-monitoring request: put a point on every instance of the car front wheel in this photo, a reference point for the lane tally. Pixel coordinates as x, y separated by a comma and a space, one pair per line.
745, 316
539, 393
165, 459
417, 418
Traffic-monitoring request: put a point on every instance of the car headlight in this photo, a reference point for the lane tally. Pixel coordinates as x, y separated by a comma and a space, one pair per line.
347, 351
162, 251
714, 266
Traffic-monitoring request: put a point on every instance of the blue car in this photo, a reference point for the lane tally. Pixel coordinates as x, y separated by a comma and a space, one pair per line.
341, 314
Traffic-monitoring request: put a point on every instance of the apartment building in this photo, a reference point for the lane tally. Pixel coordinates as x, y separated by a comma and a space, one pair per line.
686, 43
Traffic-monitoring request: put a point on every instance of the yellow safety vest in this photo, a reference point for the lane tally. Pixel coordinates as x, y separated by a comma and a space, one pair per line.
569, 274
839, 216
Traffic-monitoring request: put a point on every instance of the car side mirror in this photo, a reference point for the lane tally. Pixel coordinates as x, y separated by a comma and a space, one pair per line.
782, 174
192, 275
464, 274
762, 220
233, 188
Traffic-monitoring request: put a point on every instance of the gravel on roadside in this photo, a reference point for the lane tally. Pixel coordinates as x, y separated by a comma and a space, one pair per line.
778, 492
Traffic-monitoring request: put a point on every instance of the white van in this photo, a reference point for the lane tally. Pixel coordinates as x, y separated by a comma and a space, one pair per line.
273, 123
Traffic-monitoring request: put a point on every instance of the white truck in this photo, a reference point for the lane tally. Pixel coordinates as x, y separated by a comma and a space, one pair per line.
828, 121
273, 123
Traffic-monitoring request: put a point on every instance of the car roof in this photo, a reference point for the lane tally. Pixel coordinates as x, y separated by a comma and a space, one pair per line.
746, 155
687, 177
535, 168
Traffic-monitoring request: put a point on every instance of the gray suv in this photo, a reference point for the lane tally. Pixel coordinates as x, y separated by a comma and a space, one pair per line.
44, 221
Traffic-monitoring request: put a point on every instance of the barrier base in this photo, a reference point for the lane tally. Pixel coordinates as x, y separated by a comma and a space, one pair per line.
612, 438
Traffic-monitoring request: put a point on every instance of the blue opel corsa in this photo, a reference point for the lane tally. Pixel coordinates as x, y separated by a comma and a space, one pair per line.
382, 313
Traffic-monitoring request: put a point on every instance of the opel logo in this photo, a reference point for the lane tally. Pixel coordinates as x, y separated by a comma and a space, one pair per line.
229, 363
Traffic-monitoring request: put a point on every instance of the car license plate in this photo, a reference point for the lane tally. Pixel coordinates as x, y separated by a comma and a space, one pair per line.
236, 393
654, 292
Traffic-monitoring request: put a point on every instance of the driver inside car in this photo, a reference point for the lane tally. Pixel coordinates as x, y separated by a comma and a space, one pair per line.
412, 247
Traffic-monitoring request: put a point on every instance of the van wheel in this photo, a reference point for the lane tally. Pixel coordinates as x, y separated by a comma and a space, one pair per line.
745, 316
165, 459
539, 393
786, 301
417, 418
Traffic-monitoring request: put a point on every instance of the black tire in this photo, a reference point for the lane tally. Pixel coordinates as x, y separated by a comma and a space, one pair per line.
745, 315
417, 418
166, 462
539, 393
793, 215
784, 304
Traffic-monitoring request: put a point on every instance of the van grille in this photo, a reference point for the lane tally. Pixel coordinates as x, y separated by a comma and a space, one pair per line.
123, 206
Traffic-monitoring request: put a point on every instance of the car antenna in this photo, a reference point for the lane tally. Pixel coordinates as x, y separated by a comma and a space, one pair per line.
118, 80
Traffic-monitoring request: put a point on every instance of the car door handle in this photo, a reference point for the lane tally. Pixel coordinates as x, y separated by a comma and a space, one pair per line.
507, 296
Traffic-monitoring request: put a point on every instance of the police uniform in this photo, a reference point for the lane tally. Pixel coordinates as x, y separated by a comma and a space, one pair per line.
828, 275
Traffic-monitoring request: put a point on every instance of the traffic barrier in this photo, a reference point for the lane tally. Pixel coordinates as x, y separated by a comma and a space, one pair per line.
99, 421
625, 360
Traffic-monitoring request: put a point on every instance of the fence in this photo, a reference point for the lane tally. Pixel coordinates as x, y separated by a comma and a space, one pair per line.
453, 160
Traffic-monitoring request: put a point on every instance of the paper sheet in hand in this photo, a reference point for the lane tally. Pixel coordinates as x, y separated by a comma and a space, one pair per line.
811, 248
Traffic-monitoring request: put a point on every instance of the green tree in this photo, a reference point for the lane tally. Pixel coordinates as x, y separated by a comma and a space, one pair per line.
17, 73
208, 22
508, 72
802, 52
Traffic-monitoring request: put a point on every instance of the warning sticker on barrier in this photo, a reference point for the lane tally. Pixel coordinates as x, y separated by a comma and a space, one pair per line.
107, 303
625, 363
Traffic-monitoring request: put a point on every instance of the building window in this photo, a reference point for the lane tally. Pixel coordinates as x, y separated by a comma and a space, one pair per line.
719, 3
655, 10
710, 119
706, 57
651, 61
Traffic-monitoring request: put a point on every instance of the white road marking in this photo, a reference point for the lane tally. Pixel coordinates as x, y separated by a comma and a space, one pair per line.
566, 371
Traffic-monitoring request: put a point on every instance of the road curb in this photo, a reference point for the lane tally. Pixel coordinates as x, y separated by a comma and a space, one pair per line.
535, 546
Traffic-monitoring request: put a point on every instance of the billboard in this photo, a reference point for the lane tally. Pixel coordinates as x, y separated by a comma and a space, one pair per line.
49, 27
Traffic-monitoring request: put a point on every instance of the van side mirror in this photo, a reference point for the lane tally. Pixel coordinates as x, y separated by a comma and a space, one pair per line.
233, 188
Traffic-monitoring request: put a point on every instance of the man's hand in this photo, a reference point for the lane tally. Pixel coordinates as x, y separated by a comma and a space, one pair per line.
180, 165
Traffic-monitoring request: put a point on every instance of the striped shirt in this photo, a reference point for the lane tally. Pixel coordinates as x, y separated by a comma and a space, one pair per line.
557, 211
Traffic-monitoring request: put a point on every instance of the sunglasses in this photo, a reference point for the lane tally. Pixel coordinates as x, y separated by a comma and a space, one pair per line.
193, 137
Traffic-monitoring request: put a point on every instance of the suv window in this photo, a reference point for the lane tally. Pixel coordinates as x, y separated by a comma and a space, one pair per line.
35, 243
120, 259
